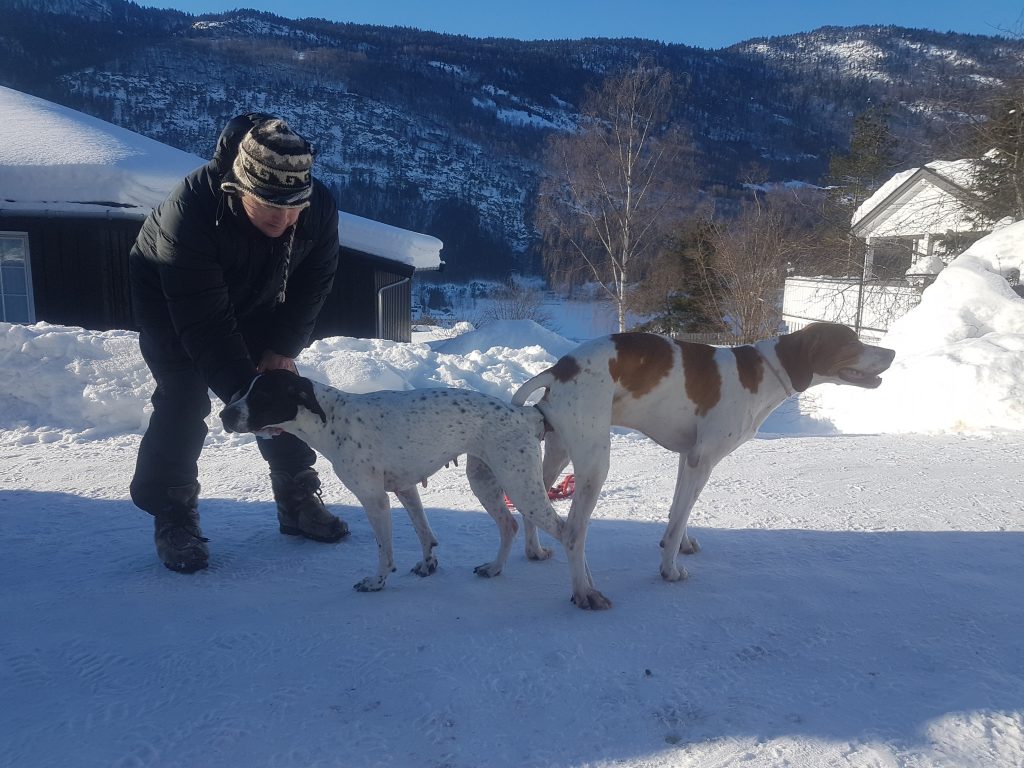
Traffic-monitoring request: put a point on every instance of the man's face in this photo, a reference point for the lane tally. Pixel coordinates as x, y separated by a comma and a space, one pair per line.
269, 220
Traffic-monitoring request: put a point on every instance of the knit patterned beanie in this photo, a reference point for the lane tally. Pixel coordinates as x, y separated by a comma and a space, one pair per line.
273, 165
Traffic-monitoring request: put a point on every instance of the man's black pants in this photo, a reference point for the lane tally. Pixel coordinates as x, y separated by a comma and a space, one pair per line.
169, 452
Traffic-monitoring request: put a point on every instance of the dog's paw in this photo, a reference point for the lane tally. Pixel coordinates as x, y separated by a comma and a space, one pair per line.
487, 570
591, 600
689, 546
674, 573
425, 567
539, 553
370, 584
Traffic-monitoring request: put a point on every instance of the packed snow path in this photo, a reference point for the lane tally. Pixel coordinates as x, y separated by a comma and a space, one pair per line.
857, 602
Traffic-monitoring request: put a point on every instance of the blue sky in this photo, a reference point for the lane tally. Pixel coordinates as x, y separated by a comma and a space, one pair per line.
707, 23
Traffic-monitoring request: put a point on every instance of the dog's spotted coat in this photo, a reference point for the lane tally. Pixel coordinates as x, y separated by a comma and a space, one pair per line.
390, 441
694, 399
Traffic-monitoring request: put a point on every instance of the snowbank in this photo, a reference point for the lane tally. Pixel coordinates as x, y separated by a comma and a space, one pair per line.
60, 383
959, 354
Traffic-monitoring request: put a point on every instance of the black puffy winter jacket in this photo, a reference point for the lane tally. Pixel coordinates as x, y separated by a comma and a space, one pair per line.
200, 272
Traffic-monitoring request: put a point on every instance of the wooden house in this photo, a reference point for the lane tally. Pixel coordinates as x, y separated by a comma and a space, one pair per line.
920, 219
913, 225
74, 191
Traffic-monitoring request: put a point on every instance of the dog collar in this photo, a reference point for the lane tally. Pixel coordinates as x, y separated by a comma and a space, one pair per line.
789, 390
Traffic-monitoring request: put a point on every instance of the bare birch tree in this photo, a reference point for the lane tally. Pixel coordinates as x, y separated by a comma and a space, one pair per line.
611, 187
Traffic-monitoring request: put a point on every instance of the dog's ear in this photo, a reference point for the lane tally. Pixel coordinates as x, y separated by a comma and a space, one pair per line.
794, 352
304, 395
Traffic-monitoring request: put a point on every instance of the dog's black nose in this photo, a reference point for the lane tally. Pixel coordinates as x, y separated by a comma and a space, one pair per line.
229, 419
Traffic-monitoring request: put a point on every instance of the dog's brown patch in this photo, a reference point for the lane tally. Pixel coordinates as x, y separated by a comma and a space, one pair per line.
641, 361
565, 369
703, 379
793, 352
750, 367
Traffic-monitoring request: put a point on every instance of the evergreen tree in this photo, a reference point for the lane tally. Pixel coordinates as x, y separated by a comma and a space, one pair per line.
853, 176
871, 159
672, 292
999, 147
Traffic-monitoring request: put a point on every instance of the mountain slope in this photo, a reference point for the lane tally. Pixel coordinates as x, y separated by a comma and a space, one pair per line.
444, 133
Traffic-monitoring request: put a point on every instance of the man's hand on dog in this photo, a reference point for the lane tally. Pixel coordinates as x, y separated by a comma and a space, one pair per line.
271, 361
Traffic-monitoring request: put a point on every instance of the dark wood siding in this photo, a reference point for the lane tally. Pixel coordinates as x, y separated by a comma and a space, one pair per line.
79, 272
371, 299
79, 268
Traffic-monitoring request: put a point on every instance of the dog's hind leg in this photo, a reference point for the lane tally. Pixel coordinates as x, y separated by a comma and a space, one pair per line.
410, 499
531, 499
487, 489
591, 469
518, 471
378, 510
556, 458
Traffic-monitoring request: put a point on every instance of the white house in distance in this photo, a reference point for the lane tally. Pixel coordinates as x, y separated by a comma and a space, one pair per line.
920, 215
74, 191
913, 225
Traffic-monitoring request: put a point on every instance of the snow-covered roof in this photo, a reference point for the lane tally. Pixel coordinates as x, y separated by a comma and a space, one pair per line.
56, 160
389, 242
957, 175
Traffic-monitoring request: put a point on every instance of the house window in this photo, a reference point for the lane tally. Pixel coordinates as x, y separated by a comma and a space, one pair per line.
15, 279
893, 257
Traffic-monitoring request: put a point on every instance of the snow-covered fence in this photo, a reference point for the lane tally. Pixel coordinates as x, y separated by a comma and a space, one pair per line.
869, 307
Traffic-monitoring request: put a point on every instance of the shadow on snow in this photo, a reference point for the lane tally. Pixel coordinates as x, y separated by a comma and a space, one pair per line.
831, 635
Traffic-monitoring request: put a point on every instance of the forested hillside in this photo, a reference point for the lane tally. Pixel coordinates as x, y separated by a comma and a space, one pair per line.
444, 134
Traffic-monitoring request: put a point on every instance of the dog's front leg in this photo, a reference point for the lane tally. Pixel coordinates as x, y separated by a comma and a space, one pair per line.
378, 511
691, 478
410, 499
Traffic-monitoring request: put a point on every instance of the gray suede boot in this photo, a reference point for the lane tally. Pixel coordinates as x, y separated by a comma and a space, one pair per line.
300, 507
180, 543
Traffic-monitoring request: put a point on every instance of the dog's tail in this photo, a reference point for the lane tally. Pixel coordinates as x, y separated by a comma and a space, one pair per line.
543, 379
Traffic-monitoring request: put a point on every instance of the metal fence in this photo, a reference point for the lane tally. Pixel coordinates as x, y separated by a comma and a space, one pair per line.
869, 307
716, 339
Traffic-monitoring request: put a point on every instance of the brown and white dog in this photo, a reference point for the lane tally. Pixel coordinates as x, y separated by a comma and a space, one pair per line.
697, 400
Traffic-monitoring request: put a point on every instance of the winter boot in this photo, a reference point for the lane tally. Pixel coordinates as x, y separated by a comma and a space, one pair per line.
300, 507
180, 543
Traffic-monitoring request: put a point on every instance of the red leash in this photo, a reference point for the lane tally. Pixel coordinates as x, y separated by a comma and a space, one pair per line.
562, 490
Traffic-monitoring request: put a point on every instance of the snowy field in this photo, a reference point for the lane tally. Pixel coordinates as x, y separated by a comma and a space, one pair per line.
857, 601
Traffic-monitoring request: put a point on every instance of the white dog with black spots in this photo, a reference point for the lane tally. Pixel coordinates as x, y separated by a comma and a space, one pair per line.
393, 440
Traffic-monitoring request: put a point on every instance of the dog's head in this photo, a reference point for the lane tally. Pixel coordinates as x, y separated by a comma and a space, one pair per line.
272, 400
829, 352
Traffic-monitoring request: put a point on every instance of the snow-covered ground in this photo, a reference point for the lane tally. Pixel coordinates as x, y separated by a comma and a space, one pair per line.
856, 603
